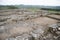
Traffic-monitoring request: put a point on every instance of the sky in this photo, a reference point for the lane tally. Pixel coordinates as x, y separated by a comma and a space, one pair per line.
31, 2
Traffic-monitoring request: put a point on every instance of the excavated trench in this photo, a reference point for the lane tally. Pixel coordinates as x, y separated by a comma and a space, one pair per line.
17, 25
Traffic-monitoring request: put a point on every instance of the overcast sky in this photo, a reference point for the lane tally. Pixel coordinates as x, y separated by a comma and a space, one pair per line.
31, 2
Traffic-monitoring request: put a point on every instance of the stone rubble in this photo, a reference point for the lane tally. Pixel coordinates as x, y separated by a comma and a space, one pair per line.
15, 27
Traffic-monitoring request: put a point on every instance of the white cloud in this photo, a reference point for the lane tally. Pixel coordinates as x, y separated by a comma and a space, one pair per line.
31, 2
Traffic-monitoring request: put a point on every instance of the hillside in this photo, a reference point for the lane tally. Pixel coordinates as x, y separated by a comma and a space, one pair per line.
56, 8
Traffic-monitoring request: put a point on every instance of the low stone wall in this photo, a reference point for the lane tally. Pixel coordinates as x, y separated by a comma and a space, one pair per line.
21, 15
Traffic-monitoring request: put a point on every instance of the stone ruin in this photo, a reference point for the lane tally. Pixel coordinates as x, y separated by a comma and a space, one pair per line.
13, 26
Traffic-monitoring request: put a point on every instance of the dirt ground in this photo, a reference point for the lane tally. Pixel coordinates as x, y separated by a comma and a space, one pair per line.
44, 20
56, 16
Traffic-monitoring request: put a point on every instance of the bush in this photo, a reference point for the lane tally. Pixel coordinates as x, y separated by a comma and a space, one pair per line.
50, 9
